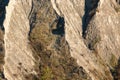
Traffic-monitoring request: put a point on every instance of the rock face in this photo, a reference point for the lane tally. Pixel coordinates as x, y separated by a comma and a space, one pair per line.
52, 51
92, 32
18, 56
40, 43
2, 16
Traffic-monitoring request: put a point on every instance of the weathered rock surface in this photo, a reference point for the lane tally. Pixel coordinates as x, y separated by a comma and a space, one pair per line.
18, 55
90, 27
97, 49
49, 44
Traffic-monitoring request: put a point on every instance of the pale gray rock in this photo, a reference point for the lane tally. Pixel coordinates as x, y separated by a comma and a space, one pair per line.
97, 50
91, 30
18, 55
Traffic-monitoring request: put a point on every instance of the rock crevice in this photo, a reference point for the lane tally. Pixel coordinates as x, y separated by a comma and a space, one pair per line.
100, 48
42, 36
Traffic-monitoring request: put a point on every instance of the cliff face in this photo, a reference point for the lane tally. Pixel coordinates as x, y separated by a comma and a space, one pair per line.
92, 32
18, 55
61, 39
47, 38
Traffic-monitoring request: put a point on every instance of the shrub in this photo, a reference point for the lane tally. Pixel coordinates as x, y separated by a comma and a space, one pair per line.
47, 74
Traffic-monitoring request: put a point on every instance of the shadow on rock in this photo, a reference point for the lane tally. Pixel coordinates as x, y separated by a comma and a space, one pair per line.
3, 4
60, 27
116, 71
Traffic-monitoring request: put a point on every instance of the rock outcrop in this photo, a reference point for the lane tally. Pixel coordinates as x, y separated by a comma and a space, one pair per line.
47, 39
61, 39
3, 4
19, 61
92, 32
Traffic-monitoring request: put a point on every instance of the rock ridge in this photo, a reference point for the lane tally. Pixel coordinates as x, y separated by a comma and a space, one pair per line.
19, 61
94, 53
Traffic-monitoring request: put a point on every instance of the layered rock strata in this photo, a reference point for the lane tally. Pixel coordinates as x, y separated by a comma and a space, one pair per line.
19, 61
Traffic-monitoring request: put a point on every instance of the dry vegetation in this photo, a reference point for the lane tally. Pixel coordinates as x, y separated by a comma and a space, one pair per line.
51, 50
116, 71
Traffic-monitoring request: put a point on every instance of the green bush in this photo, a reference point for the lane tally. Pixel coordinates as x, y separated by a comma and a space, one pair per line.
47, 74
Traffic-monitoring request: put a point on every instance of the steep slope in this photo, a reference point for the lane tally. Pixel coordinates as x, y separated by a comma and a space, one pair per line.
61, 39
48, 42
3, 4
19, 61
47, 51
96, 45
